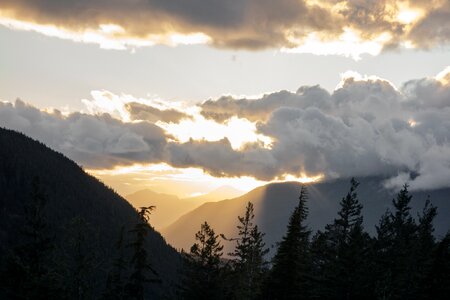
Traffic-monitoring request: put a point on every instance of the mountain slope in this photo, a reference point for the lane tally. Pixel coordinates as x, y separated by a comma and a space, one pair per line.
274, 203
168, 208
70, 193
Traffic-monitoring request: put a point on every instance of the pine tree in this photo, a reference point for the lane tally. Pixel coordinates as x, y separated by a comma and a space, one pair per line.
342, 252
425, 247
289, 277
249, 265
396, 251
139, 278
438, 281
202, 278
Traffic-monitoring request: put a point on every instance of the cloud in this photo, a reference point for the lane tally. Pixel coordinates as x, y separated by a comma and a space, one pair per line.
366, 127
227, 107
139, 111
98, 141
303, 25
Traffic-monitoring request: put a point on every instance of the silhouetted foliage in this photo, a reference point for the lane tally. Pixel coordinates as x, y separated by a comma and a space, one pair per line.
249, 267
289, 277
80, 260
142, 272
395, 251
59, 244
203, 267
115, 283
70, 194
29, 271
341, 253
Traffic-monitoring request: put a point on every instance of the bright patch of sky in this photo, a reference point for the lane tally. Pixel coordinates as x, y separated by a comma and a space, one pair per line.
49, 72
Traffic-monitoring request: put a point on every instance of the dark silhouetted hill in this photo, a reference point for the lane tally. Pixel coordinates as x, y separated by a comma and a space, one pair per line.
70, 193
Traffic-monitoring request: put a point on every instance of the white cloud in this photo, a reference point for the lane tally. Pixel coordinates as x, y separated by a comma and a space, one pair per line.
366, 127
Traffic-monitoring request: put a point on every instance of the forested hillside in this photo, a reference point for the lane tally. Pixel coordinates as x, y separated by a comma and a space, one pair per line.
43, 190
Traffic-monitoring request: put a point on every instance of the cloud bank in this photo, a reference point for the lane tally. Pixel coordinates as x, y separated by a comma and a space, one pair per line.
365, 127
296, 25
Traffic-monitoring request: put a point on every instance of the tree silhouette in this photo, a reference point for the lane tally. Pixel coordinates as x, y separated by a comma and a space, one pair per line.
140, 265
115, 285
396, 250
203, 266
249, 265
29, 273
341, 253
289, 277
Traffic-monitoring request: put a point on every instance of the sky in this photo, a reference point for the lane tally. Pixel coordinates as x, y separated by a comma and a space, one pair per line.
197, 94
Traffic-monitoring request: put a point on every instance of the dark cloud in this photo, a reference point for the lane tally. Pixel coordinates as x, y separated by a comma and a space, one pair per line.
93, 141
139, 111
433, 29
248, 24
239, 24
226, 107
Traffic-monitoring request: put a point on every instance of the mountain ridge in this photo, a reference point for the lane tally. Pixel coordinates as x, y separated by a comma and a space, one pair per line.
275, 201
70, 193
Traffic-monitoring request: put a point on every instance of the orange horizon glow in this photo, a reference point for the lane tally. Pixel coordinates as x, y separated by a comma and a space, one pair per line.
165, 178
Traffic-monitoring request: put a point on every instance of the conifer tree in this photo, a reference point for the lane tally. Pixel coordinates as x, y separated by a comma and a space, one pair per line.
139, 278
249, 265
202, 278
396, 251
438, 281
425, 247
343, 259
289, 277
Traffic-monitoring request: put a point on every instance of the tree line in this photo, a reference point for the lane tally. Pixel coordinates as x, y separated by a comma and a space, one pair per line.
69, 266
402, 261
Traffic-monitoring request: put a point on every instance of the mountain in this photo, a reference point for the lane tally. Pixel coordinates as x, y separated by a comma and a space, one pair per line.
71, 194
169, 207
221, 193
274, 203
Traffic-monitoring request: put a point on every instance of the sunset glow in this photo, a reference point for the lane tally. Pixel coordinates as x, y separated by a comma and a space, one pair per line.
177, 180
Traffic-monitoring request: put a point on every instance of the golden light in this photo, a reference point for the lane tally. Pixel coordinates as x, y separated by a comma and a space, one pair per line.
412, 123
303, 178
348, 44
107, 36
237, 131
407, 14
183, 182
444, 76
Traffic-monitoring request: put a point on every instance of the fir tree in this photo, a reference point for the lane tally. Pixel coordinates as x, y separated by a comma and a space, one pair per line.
289, 277
139, 277
438, 281
396, 251
202, 278
425, 247
249, 265
343, 257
